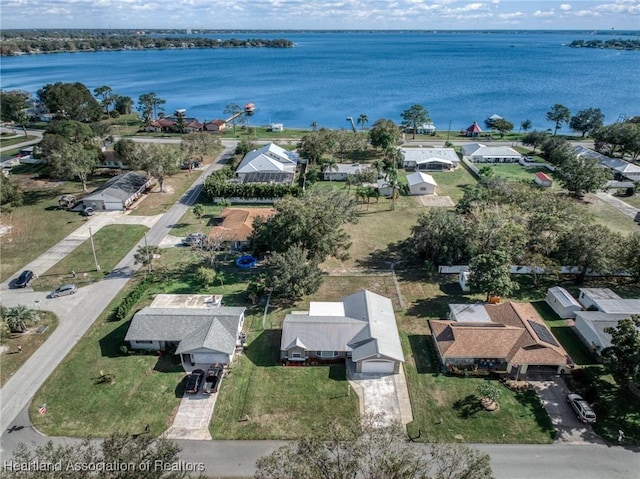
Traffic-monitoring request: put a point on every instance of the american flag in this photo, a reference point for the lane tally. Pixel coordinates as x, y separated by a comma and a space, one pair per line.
43, 410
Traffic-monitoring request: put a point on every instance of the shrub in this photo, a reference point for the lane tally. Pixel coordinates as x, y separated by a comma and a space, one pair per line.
131, 299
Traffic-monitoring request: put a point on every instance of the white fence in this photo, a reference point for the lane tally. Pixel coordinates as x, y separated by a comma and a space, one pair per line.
518, 269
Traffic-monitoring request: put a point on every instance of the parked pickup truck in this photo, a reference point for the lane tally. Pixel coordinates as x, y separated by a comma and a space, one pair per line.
212, 379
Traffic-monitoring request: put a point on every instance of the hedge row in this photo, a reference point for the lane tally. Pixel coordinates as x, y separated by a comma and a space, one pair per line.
132, 299
214, 189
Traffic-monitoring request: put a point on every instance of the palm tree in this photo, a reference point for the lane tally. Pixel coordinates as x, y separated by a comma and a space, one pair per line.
18, 317
362, 120
392, 181
330, 165
378, 165
314, 125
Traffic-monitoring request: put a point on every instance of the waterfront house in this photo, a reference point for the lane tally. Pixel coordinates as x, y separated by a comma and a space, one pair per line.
268, 164
429, 159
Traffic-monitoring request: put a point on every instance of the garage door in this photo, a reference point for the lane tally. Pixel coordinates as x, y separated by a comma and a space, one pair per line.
113, 206
377, 366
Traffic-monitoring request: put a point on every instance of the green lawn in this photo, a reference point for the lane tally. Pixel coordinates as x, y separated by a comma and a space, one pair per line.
111, 244
259, 399
515, 171
6, 141
29, 341
38, 224
632, 200
451, 183
610, 217
146, 389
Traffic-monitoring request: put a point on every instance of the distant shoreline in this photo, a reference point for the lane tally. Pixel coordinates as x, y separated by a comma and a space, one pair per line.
33, 43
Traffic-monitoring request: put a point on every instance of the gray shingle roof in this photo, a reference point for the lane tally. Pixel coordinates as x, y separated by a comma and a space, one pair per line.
120, 187
207, 328
368, 329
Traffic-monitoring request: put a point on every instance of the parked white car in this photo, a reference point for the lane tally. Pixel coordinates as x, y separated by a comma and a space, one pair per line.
64, 290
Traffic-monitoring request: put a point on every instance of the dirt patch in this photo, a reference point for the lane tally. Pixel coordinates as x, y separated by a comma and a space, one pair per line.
4, 229
435, 201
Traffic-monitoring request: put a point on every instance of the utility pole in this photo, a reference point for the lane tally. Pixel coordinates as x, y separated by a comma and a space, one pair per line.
146, 247
93, 248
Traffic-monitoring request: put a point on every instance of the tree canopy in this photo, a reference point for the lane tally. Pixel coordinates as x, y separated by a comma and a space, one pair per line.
384, 134
314, 221
160, 454
491, 274
559, 114
587, 121
372, 451
72, 101
13, 105
581, 175
289, 275
148, 105
622, 358
413, 117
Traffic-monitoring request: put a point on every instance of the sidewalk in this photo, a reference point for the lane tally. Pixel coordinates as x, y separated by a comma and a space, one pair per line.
57, 252
623, 207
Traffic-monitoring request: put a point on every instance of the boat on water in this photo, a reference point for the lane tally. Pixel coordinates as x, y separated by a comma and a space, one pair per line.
249, 108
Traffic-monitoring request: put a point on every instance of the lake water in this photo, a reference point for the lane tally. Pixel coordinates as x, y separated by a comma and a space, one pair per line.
328, 76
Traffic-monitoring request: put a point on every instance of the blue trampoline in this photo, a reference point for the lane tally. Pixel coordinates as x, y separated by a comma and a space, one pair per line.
246, 261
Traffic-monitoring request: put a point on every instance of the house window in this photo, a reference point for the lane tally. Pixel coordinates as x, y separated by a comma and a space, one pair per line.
327, 354
144, 342
295, 355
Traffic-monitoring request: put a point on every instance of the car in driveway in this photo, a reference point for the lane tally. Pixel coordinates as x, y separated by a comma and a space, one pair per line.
194, 239
88, 211
193, 381
212, 379
24, 278
64, 290
581, 408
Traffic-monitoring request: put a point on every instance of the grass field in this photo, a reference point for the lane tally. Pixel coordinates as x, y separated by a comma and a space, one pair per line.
9, 140
29, 341
610, 217
632, 200
157, 202
38, 224
111, 244
515, 171
146, 388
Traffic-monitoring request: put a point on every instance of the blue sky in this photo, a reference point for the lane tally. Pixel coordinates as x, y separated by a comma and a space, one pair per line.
322, 14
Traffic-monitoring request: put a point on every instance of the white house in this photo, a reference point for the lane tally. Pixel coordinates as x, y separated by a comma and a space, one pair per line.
421, 184
341, 171
620, 168
561, 301
268, 164
118, 193
479, 153
359, 329
434, 159
605, 309
590, 326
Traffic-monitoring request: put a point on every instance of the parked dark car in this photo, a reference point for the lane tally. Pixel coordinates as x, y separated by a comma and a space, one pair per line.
194, 239
212, 379
88, 211
581, 408
193, 381
24, 278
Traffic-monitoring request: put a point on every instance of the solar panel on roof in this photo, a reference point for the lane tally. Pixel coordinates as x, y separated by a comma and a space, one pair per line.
268, 177
543, 333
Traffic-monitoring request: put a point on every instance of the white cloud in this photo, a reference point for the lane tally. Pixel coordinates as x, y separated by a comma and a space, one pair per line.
294, 14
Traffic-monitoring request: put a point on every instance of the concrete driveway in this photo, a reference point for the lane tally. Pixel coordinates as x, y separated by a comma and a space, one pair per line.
382, 395
193, 417
569, 429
